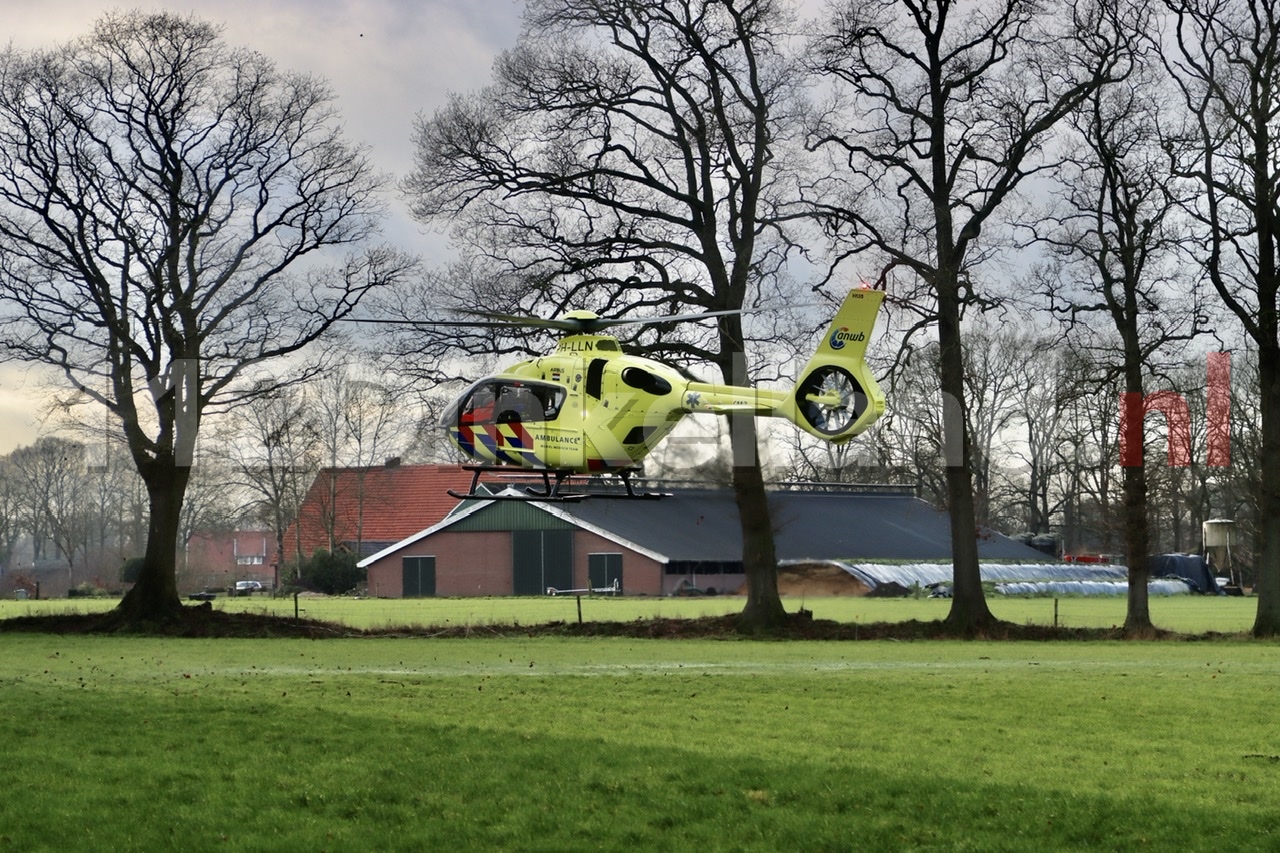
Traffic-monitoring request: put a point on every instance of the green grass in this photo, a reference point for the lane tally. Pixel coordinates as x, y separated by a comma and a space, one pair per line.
560, 744
1186, 613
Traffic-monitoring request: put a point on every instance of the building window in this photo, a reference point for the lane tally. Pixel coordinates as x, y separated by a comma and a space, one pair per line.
704, 567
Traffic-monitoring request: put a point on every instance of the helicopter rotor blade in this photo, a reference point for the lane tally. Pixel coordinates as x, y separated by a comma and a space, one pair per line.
609, 322
589, 324
499, 321
465, 324
575, 325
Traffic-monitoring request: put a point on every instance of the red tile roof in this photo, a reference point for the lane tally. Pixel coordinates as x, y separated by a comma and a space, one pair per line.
375, 504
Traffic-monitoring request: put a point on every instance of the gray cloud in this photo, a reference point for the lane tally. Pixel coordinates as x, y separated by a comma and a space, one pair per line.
387, 61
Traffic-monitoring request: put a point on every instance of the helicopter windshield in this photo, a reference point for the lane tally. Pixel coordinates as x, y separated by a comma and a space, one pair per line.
499, 401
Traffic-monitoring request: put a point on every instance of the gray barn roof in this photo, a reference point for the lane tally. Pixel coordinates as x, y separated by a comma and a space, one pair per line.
701, 525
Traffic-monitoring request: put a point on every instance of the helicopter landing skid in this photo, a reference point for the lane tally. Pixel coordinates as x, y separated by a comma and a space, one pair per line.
631, 493
550, 491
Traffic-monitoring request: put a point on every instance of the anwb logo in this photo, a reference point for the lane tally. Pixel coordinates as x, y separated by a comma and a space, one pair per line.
842, 336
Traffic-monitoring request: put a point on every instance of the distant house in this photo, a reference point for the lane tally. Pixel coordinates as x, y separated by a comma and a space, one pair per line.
216, 560
652, 547
363, 510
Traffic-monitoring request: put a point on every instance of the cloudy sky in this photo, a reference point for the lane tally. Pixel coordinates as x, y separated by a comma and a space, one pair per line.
387, 61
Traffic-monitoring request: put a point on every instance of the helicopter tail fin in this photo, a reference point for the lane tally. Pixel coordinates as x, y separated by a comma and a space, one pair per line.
837, 396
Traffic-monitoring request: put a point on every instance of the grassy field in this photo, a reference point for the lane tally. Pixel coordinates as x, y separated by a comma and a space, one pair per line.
1185, 613
519, 743
514, 743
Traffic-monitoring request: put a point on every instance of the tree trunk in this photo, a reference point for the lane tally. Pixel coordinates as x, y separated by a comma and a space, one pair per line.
969, 612
1137, 538
764, 608
1267, 570
1137, 526
154, 597
280, 530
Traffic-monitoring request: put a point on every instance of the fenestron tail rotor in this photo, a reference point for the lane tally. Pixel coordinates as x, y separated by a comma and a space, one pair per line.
837, 396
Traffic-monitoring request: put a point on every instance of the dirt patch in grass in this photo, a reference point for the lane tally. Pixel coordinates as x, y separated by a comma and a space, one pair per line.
198, 621
205, 621
801, 626
805, 579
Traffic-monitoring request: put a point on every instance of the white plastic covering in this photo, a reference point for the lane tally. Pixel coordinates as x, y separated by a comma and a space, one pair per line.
1010, 578
1162, 586
924, 574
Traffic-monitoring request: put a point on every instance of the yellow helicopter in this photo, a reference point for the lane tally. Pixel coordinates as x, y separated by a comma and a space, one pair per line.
588, 408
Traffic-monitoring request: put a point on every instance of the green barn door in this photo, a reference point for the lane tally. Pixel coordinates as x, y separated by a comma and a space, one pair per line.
603, 570
419, 577
541, 559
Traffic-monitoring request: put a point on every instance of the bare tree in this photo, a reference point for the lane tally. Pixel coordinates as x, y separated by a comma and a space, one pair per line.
1224, 57
1016, 393
626, 159
996, 353
1044, 449
270, 445
948, 108
823, 462
1240, 487
1089, 453
1116, 230
210, 505
164, 204
110, 483
10, 512
53, 477
913, 424
358, 418
1193, 487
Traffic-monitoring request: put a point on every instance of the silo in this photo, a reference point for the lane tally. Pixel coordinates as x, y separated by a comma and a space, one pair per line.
1219, 538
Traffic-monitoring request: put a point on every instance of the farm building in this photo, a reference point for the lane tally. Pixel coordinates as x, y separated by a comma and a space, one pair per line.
365, 509
216, 560
655, 547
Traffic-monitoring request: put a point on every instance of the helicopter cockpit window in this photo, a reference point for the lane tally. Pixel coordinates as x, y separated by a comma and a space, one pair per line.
509, 402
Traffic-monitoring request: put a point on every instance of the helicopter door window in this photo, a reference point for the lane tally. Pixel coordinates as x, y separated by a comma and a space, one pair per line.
595, 377
514, 405
478, 407
552, 399
513, 402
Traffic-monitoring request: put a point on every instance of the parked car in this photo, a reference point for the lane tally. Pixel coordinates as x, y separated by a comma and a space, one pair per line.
248, 587
202, 596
